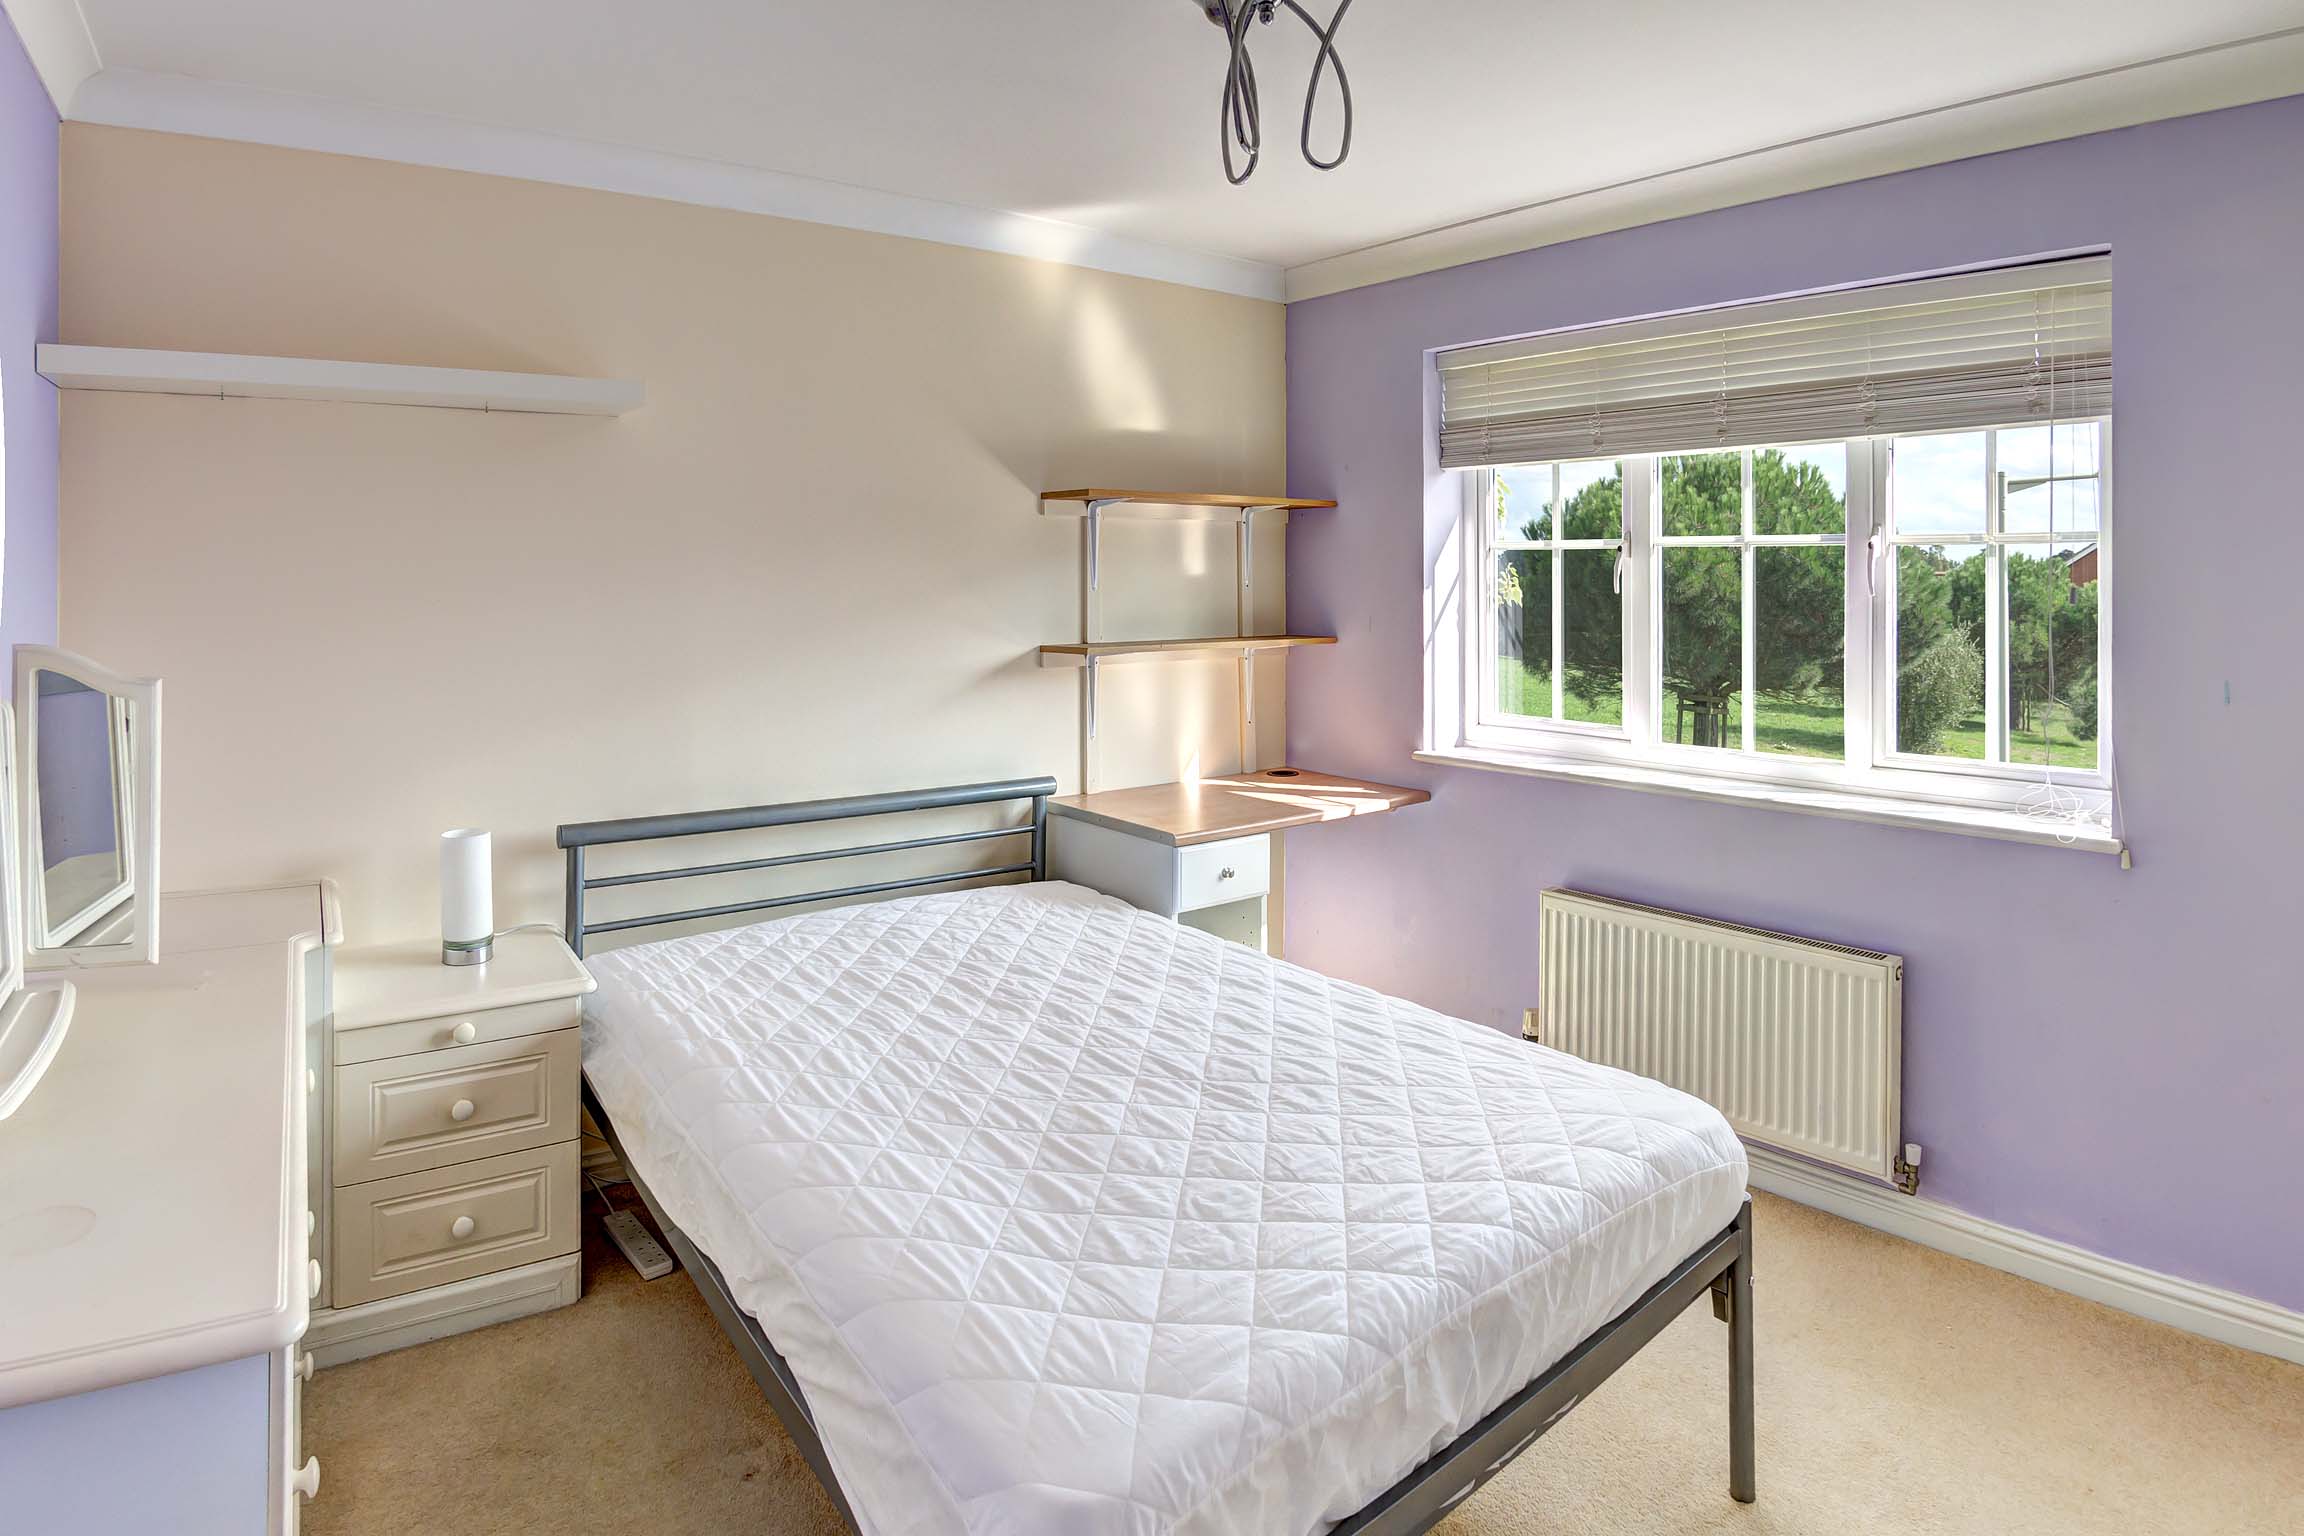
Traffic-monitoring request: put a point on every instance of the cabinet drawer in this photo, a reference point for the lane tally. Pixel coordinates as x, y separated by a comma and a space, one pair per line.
472, 1027
423, 1229
439, 1107
1208, 874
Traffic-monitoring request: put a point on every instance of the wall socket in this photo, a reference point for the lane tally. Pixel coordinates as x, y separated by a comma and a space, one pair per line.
1528, 1030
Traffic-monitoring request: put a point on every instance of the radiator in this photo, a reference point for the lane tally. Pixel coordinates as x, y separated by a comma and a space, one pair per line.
1798, 1042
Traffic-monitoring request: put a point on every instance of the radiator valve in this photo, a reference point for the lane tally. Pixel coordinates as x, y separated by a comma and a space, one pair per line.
1908, 1169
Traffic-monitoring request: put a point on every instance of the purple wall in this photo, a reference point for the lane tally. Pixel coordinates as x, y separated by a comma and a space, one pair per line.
27, 316
2113, 1059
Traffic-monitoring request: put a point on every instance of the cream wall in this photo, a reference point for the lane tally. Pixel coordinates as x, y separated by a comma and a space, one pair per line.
812, 564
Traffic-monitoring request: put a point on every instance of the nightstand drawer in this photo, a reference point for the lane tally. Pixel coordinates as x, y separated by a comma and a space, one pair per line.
424, 1111
424, 1229
1208, 874
472, 1027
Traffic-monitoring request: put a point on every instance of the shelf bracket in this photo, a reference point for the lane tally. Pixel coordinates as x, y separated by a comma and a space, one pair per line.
1090, 679
1246, 606
1093, 525
1247, 551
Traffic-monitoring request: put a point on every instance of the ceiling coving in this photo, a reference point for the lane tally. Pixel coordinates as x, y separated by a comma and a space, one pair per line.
1240, 120
1493, 125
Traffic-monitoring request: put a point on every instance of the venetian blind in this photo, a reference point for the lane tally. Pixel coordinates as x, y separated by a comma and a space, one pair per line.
1940, 354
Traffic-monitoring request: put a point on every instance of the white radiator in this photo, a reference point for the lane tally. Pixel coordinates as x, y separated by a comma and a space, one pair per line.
1798, 1042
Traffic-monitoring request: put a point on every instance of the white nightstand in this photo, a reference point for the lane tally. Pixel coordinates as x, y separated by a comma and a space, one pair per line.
454, 1160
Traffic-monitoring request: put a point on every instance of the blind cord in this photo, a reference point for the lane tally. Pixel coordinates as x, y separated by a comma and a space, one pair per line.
2052, 801
1240, 118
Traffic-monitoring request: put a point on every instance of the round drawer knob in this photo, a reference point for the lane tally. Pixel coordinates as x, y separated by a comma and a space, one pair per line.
460, 1227
304, 1367
311, 1081
312, 1278
465, 1033
307, 1479
311, 1223
460, 1111
1225, 873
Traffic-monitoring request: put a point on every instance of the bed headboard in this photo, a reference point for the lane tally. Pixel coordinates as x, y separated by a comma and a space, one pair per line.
575, 837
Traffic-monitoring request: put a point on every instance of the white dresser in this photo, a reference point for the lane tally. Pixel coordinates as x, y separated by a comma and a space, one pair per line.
452, 1156
156, 1268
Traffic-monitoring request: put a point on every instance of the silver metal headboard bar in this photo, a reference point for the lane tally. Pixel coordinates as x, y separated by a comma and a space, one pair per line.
575, 837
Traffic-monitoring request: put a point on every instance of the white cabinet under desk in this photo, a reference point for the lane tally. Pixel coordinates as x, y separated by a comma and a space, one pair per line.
1203, 851
454, 1167
1219, 886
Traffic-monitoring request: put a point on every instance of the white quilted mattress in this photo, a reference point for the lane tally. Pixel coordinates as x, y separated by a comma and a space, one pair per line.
1075, 1222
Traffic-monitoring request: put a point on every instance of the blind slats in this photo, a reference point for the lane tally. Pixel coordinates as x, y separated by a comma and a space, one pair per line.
1941, 354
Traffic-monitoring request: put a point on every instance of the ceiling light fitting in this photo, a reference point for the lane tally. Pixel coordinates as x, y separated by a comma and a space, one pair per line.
1240, 122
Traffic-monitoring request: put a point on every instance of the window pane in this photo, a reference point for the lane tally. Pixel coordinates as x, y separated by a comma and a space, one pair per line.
1940, 650
1939, 483
1523, 501
1524, 633
1798, 603
2028, 451
2061, 507
1703, 646
1800, 490
1703, 493
1591, 636
2037, 471
2051, 662
1592, 500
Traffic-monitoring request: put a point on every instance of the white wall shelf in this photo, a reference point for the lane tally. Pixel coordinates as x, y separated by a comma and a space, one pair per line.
227, 375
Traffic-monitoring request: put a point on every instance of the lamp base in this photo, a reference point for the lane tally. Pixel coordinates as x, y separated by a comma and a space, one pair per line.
476, 953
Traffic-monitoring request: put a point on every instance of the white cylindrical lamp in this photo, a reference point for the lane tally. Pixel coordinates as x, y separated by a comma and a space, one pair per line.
467, 909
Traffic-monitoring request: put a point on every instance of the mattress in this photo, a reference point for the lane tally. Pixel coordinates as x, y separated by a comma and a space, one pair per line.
1073, 1221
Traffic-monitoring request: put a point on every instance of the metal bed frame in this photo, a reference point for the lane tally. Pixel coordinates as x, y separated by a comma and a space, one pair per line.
1722, 1265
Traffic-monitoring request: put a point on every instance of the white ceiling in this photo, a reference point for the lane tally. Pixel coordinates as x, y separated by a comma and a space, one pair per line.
1102, 113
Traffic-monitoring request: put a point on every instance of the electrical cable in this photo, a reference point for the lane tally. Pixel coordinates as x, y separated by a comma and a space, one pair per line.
1240, 116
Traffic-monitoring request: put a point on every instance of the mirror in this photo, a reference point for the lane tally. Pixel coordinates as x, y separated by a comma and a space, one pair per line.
89, 813
32, 1022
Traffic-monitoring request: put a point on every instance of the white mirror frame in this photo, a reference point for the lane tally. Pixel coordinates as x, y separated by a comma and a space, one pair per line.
32, 1024
136, 804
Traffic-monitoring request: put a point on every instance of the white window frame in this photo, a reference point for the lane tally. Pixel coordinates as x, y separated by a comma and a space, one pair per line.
1873, 781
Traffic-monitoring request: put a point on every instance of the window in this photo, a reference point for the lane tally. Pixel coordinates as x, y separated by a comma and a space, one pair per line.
1999, 551
1910, 620
1559, 613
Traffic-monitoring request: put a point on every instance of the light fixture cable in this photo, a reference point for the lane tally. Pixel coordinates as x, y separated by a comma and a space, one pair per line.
1240, 118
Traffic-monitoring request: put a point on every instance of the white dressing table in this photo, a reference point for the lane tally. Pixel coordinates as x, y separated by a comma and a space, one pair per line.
157, 1203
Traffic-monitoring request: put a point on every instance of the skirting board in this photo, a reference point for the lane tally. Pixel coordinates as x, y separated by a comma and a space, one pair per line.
2226, 1316
354, 1333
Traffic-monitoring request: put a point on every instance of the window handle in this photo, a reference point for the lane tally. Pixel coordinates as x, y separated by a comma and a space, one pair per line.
1872, 566
1617, 579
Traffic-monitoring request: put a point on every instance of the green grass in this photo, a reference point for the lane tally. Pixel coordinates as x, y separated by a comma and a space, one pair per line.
1807, 728
2051, 734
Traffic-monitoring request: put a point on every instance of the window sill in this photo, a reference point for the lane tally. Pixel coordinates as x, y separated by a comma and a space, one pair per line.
1846, 804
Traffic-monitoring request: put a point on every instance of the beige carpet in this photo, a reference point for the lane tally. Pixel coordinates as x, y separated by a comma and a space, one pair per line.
1900, 1391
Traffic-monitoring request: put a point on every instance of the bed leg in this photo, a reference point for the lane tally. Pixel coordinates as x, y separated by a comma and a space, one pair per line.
1741, 1453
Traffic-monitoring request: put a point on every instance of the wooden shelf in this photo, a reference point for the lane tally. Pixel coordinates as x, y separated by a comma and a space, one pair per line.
1076, 653
1235, 805
226, 375
1074, 503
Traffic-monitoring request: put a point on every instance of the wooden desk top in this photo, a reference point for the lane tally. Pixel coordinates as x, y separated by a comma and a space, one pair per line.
1235, 805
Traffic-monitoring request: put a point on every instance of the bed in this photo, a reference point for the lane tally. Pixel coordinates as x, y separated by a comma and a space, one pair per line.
1035, 1213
